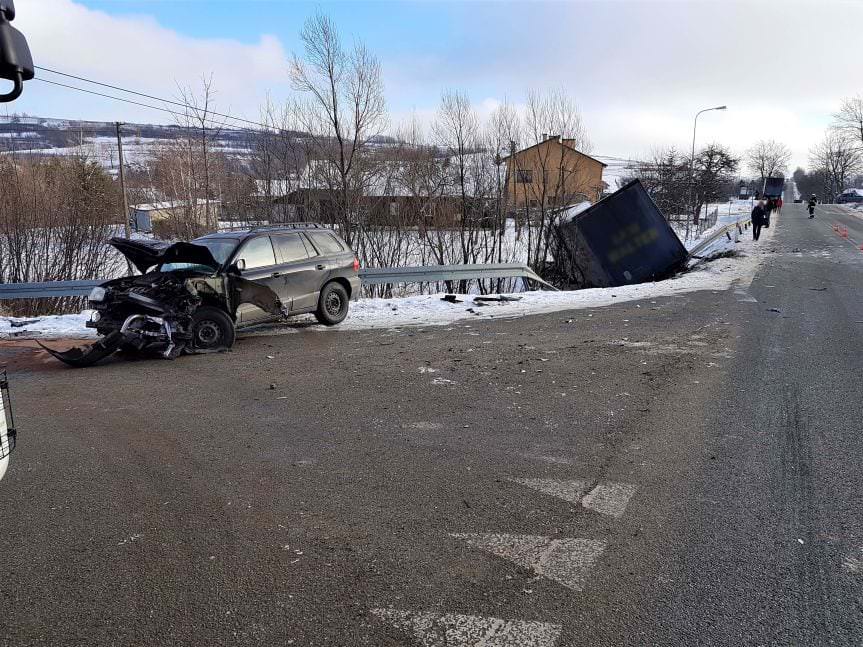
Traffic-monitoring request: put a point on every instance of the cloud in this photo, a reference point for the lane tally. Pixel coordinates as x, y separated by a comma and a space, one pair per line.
640, 70
138, 53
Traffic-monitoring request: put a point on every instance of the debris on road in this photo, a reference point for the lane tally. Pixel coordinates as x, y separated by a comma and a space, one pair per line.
20, 323
498, 298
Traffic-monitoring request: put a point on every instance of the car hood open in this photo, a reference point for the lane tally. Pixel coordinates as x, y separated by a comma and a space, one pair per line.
144, 254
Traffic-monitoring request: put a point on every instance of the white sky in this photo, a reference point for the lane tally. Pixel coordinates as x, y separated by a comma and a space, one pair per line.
639, 70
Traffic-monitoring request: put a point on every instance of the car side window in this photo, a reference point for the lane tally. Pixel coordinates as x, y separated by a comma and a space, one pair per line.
290, 248
325, 242
258, 252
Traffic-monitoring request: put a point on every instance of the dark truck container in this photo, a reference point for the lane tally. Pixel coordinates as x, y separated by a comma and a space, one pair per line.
620, 240
773, 187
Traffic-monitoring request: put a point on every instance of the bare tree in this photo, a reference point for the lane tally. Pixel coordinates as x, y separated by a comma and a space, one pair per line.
503, 132
198, 118
56, 216
713, 170
768, 158
343, 110
849, 119
839, 159
552, 114
278, 162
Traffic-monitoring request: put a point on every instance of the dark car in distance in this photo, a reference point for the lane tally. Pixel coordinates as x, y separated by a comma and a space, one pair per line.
850, 196
192, 296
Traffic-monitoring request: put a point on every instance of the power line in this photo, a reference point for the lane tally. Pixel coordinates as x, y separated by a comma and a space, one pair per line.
144, 105
108, 96
150, 96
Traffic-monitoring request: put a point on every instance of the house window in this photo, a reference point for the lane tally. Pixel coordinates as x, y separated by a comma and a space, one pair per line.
524, 176
394, 208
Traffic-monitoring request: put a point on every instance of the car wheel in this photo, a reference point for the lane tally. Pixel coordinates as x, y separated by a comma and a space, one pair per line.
332, 304
211, 329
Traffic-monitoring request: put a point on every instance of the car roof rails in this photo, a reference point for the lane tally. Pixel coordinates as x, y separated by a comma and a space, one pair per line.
289, 225
250, 227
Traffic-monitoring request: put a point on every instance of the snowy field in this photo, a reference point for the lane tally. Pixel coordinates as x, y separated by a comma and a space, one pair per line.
430, 310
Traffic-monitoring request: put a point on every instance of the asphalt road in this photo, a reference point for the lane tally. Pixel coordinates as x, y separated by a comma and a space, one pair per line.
684, 471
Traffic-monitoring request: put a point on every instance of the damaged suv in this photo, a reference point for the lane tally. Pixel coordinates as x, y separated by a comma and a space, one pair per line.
191, 296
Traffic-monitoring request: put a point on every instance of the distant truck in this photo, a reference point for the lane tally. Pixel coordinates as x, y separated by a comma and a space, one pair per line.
773, 187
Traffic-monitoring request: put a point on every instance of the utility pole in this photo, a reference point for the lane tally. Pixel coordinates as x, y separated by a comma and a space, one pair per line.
122, 181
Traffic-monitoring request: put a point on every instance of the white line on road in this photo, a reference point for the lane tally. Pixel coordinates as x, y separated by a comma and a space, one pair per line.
572, 491
456, 630
566, 561
853, 563
609, 498
606, 498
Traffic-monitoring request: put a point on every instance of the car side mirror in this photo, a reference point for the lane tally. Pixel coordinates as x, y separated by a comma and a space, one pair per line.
239, 265
16, 63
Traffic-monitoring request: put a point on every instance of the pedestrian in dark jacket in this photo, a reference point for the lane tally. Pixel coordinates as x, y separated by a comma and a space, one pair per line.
759, 215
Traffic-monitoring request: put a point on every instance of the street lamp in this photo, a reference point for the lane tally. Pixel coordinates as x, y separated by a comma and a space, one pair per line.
692, 160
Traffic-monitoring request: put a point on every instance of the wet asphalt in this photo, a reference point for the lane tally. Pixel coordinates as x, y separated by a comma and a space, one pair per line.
277, 494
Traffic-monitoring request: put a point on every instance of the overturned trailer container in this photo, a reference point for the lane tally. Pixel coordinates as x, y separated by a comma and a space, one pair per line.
620, 240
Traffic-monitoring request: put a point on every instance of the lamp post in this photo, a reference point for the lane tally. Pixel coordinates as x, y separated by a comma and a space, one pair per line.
692, 163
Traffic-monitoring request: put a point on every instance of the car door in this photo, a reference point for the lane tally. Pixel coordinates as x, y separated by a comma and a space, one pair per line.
261, 267
298, 263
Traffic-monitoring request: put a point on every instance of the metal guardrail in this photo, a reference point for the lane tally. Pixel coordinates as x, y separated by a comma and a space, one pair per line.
48, 289
739, 225
369, 275
438, 273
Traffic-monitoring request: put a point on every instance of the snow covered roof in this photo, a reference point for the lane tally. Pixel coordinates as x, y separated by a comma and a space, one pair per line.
277, 188
853, 192
570, 212
168, 204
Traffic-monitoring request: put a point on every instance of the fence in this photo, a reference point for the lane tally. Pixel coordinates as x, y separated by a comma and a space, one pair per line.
705, 223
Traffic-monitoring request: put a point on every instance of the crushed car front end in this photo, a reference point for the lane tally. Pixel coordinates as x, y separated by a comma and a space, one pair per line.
155, 312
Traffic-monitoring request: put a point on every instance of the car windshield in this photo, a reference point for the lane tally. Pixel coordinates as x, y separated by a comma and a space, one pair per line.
194, 267
220, 248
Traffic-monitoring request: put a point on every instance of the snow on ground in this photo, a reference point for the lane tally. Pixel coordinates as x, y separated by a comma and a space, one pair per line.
430, 310
53, 327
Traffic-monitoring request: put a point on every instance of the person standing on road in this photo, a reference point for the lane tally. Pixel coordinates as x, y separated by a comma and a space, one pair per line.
811, 204
759, 215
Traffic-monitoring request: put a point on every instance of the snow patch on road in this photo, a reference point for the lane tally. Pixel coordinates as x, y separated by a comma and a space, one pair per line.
457, 630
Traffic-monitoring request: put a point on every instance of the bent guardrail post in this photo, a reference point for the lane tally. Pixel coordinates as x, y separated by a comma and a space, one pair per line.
723, 231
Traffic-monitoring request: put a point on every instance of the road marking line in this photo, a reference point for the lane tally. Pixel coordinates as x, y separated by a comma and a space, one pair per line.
606, 498
566, 561
572, 491
853, 563
457, 630
609, 498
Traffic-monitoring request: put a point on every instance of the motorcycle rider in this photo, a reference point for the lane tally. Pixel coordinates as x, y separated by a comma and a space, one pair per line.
811, 204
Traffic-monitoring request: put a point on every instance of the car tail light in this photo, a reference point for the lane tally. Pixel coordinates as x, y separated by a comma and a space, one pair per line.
356, 265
